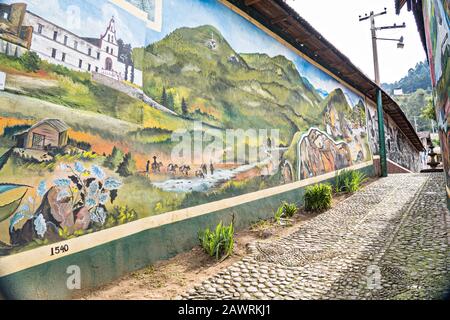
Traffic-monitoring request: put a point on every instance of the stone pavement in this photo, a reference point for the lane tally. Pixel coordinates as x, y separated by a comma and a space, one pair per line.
388, 241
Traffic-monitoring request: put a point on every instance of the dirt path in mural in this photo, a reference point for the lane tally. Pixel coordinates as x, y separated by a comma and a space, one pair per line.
168, 279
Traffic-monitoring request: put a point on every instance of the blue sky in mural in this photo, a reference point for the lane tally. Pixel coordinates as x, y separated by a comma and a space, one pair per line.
242, 35
89, 18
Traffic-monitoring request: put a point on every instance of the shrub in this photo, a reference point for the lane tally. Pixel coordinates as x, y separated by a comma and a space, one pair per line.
86, 146
114, 159
290, 209
30, 61
127, 167
119, 216
286, 211
318, 197
349, 181
218, 243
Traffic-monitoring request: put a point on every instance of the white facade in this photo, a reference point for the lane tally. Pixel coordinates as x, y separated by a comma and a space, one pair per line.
59, 46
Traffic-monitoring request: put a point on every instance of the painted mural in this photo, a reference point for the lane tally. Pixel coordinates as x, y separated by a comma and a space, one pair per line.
92, 105
437, 30
398, 147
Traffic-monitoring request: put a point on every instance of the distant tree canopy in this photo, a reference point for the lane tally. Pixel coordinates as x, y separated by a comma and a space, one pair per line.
413, 105
429, 112
417, 78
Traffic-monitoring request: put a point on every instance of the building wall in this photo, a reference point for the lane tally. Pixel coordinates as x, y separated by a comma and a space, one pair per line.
51, 136
74, 48
217, 72
398, 148
437, 30
76, 53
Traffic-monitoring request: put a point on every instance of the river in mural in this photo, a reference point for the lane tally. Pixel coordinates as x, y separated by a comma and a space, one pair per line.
92, 104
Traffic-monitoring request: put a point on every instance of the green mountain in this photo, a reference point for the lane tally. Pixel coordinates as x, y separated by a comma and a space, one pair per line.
413, 105
417, 78
227, 89
416, 86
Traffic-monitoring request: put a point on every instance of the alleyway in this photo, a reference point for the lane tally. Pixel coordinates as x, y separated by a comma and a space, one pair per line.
389, 241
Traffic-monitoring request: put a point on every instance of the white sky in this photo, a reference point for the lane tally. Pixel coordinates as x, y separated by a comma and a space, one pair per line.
338, 22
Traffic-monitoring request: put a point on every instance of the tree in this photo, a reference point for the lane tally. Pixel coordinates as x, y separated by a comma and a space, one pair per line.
132, 73
429, 112
170, 101
125, 56
30, 61
114, 159
127, 167
164, 97
417, 78
184, 107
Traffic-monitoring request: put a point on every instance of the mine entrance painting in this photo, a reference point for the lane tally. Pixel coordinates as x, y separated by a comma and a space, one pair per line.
96, 108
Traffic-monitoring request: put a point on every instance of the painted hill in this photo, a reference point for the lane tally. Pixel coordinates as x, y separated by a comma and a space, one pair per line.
336, 115
227, 89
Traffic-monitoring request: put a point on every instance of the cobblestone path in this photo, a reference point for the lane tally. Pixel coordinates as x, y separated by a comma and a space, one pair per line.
388, 241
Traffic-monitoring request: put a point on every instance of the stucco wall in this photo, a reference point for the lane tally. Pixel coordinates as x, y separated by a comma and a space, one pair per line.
137, 170
437, 30
398, 148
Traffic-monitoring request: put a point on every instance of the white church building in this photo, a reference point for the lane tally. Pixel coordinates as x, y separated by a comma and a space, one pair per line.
96, 55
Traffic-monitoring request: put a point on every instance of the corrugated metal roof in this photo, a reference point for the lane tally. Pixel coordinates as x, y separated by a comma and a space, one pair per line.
281, 19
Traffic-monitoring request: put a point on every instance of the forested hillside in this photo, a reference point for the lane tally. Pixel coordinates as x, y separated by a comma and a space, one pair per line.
416, 87
417, 78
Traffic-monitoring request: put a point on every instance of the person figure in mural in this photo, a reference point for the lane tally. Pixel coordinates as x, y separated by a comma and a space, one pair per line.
204, 168
269, 143
156, 166
211, 168
147, 168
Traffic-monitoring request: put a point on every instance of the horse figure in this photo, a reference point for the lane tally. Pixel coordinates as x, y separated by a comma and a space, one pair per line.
184, 169
199, 174
172, 168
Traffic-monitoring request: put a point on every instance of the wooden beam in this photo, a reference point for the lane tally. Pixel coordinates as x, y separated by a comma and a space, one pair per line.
279, 19
251, 2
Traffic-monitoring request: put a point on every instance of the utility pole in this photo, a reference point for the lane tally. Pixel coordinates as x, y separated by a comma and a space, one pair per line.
374, 29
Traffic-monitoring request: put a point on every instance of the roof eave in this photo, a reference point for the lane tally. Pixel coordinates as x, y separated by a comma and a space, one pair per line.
326, 56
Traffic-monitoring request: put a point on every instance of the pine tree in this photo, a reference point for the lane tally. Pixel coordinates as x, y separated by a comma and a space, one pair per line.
127, 167
114, 159
164, 97
184, 107
170, 101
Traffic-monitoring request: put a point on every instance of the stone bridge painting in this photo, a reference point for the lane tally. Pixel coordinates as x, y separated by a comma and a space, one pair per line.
79, 155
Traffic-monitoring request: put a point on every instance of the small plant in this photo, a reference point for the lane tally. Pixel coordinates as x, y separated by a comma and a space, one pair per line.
285, 212
318, 197
290, 209
218, 243
349, 181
